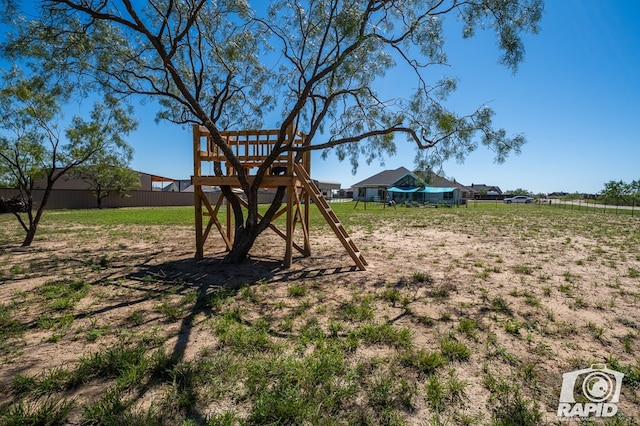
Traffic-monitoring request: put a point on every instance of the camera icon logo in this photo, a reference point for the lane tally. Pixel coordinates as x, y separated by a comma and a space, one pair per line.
590, 391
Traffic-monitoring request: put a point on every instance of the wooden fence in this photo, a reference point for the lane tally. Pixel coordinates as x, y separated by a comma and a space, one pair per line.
83, 199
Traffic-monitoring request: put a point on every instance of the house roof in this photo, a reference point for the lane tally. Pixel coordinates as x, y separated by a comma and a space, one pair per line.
478, 187
156, 178
438, 181
178, 185
205, 188
328, 184
384, 178
389, 177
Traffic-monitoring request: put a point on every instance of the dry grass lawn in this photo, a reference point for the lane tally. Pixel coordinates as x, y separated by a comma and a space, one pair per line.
465, 316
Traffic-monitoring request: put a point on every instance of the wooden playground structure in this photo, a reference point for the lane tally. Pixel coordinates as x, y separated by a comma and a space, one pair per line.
252, 147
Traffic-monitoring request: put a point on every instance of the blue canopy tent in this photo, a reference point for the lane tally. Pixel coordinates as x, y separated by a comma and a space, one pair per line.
400, 195
431, 190
440, 195
423, 194
403, 190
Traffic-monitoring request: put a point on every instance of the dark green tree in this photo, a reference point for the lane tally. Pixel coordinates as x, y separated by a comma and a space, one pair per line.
635, 191
520, 191
620, 192
222, 64
106, 174
612, 191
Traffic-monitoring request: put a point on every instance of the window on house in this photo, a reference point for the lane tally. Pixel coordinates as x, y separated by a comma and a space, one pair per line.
407, 181
447, 195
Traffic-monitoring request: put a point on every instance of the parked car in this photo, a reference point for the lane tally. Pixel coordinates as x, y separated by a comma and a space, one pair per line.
518, 199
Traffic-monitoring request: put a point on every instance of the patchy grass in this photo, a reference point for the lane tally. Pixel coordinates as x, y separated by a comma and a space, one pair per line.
465, 316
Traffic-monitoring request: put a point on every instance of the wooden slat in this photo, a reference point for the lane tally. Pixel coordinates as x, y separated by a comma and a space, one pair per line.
223, 233
275, 228
267, 182
303, 224
331, 219
197, 171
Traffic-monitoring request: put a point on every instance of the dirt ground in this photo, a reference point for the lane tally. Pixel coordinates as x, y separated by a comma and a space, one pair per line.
547, 298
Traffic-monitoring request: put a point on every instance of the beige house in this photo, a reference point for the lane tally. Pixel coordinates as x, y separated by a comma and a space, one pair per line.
146, 183
154, 190
73, 193
328, 188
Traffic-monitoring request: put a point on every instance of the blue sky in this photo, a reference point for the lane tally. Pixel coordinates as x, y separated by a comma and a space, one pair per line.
576, 98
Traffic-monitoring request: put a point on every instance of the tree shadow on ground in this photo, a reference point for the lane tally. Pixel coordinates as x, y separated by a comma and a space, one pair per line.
211, 273
210, 276
151, 274
214, 273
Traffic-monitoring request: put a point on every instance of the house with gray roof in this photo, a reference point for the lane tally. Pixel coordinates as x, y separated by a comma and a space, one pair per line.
403, 185
487, 192
375, 187
482, 189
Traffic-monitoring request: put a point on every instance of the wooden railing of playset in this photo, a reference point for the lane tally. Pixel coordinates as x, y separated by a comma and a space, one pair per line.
251, 148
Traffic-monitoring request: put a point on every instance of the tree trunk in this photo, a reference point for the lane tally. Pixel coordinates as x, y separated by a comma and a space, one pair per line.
31, 233
31, 229
35, 220
246, 234
100, 195
242, 243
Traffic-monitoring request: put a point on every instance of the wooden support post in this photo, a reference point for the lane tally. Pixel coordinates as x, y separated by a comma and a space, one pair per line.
301, 215
288, 251
306, 163
214, 218
307, 210
197, 171
230, 227
199, 230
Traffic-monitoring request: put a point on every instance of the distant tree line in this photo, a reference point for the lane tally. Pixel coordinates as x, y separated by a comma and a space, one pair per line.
621, 193
521, 191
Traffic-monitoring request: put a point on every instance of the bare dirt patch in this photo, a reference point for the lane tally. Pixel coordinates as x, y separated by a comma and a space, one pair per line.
529, 295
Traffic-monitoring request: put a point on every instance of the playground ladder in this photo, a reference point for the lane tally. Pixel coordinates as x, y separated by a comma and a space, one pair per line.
330, 217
